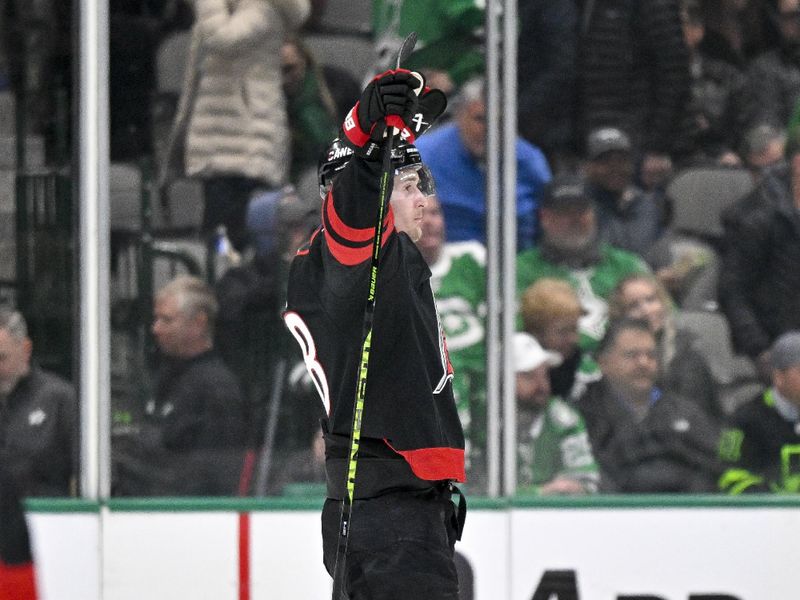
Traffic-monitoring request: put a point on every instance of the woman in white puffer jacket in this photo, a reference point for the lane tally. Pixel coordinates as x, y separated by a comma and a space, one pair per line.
231, 128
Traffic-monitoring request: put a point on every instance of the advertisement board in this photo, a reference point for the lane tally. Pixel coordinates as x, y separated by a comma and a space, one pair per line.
507, 553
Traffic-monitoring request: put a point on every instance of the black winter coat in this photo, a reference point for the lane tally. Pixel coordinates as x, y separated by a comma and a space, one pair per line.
674, 449
547, 73
192, 436
763, 443
759, 286
38, 434
689, 375
634, 70
771, 89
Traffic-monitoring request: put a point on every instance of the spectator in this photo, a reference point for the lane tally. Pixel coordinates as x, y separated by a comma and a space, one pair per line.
250, 335
547, 55
456, 155
682, 369
711, 119
38, 416
772, 86
763, 148
759, 283
645, 439
627, 217
311, 108
449, 49
634, 74
192, 438
571, 250
458, 280
550, 312
736, 30
136, 28
38, 43
17, 572
553, 448
763, 442
231, 129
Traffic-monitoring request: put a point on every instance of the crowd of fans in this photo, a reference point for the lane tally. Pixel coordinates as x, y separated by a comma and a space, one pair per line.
615, 392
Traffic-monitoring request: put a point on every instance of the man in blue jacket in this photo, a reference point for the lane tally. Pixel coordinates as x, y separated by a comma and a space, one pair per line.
456, 155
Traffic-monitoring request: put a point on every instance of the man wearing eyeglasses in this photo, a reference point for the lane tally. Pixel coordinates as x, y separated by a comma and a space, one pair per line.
646, 440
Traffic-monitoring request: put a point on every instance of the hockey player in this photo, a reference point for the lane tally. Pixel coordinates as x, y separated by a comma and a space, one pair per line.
17, 581
404, 523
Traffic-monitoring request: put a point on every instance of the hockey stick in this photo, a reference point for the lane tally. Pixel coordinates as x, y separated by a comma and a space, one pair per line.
369, 312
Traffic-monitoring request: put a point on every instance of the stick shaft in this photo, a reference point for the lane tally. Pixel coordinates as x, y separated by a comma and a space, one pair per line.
363, 368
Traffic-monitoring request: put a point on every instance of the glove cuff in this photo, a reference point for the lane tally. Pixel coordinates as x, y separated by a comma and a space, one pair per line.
358, 139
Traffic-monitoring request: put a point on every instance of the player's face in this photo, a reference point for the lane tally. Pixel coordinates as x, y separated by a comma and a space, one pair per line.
641, 301
15, 355
408, 204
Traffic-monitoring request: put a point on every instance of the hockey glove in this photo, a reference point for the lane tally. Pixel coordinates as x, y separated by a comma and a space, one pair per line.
431, 105
389, 99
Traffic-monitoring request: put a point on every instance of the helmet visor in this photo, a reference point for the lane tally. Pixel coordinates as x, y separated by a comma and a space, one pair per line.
426, 184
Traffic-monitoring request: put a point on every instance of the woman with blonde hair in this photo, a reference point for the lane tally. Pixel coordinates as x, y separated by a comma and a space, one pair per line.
550, 311
682, 368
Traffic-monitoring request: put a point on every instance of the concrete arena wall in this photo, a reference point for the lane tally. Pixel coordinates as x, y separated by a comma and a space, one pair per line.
654, 548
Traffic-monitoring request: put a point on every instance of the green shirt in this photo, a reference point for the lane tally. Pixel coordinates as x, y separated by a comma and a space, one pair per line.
459, 284
553, 443
447, 34
593, 284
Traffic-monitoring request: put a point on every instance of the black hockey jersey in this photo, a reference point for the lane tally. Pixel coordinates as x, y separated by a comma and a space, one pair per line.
409, 401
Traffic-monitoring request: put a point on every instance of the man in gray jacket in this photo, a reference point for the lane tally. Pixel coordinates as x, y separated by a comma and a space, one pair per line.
37, 416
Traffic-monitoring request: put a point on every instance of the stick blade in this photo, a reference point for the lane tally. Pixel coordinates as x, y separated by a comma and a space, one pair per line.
406, 48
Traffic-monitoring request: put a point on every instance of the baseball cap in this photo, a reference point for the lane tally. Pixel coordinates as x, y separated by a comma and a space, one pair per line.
785, 351
607, 139
564, 191
529, 354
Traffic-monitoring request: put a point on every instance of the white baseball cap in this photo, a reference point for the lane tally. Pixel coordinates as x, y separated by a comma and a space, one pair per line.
529, 354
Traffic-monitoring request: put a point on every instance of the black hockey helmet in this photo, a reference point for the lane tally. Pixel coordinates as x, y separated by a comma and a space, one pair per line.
404, 156
335, 158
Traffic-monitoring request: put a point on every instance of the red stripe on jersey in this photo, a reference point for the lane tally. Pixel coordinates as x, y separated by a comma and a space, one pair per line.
17, 582
434, 464
351, 234
349, 256
305, 249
